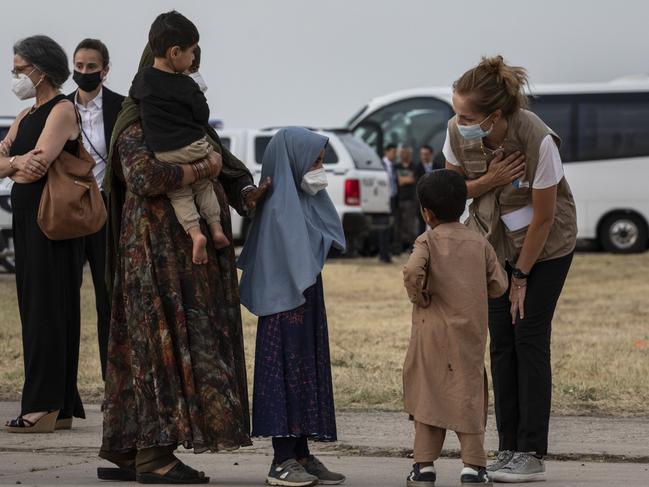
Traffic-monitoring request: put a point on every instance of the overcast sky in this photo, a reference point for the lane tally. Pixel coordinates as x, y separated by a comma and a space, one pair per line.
317, 62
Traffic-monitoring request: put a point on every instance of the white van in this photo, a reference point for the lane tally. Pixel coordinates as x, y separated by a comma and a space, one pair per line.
605, 133
358, 182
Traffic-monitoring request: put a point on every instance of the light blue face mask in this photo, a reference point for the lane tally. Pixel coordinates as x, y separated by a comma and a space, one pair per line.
474, 132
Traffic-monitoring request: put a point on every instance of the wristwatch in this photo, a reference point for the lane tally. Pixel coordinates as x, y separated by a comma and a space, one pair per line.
519, 274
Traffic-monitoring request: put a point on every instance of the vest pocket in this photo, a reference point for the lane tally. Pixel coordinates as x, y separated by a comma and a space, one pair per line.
515, 197
516, 239
475, 168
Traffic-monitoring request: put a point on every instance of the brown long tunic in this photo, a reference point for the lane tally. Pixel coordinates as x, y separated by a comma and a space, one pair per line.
449, 277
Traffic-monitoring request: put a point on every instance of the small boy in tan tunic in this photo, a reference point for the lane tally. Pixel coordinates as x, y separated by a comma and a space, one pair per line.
449, 277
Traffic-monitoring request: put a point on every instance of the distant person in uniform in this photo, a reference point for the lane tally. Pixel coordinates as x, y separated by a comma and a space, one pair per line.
425, 166
408, 217
386, 235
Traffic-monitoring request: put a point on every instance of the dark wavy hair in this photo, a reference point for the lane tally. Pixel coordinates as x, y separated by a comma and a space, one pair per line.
47, 56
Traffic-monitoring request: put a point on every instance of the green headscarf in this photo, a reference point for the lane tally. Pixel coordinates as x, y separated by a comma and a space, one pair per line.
233, 170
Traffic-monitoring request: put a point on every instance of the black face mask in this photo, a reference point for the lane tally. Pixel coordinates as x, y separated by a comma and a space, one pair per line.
87, 81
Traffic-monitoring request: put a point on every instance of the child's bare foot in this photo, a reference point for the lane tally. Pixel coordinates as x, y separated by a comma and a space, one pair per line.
220, 240
199, 246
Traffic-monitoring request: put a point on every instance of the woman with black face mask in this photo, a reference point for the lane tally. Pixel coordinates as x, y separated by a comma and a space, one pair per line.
98, 108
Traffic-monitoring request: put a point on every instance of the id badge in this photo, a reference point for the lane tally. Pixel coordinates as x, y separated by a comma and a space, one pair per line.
519, 184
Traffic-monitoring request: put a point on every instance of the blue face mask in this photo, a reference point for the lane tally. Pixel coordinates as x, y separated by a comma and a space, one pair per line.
474, 132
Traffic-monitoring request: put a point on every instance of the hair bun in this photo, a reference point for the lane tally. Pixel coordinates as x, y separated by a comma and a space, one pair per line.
493, 84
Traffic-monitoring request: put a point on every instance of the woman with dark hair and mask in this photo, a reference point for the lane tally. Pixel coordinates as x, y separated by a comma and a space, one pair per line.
47, 276
98, 108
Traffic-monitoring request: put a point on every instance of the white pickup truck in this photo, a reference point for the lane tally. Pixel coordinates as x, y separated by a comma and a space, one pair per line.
358, 182
6, 235
358, 186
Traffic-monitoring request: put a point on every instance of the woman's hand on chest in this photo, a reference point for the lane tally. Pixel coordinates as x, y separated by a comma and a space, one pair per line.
503, 170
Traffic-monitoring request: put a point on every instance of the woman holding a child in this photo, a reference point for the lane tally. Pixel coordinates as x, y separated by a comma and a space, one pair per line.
523, 205
176, 373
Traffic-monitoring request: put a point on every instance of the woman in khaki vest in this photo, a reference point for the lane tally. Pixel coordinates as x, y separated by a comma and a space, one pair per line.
523, 205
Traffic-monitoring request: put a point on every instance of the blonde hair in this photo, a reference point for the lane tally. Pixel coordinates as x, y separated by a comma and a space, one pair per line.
493, 85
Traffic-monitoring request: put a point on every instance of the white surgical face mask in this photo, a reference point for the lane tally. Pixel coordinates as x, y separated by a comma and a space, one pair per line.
314, 181
196, 76
474, 132
23, 87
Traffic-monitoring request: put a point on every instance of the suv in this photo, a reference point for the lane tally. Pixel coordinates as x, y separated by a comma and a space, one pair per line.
358, 182
6, 234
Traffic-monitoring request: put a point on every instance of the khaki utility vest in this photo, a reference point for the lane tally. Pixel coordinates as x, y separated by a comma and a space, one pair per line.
525, 133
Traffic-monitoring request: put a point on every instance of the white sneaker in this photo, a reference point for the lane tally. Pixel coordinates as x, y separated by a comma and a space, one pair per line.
504, 457
523, 467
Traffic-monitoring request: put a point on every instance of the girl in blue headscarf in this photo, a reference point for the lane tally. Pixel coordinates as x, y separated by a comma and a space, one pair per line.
282, 259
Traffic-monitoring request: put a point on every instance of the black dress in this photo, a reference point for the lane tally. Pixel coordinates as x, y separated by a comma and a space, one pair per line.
48, 281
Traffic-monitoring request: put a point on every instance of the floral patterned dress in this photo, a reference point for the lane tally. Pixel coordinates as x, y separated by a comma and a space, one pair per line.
176, 371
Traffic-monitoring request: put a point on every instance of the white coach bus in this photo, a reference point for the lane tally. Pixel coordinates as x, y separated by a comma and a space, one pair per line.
605, 149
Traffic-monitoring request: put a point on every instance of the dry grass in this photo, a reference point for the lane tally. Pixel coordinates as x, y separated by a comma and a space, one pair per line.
600, 340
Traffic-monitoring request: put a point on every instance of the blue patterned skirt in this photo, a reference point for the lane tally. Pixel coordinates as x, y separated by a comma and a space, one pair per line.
293, 394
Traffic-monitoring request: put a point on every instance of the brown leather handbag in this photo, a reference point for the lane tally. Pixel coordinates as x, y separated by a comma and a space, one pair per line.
71, 205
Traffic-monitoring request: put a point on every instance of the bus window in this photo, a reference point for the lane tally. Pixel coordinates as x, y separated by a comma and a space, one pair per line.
613, 126
414, 122
557, 113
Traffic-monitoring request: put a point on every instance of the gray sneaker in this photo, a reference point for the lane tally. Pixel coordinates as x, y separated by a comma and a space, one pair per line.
524, 467
290, 473
503, 458
325, 476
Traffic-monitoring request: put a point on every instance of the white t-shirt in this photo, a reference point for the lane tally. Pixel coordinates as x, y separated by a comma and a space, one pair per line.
549, 170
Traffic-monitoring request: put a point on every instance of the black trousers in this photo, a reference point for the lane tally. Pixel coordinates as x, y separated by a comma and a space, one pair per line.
94, 251
520, 359
49, 303
290, 447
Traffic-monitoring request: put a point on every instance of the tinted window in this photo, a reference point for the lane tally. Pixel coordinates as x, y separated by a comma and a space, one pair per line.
557, 111
362, 155
414, 122
613, 126
262, 142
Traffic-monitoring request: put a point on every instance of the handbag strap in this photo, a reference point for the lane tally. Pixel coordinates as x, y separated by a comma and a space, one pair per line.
83, 132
